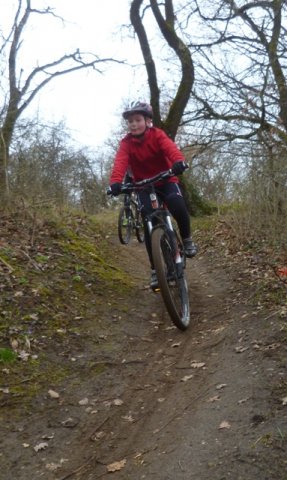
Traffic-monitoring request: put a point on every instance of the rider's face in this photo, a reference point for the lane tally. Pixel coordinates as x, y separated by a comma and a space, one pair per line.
137, 124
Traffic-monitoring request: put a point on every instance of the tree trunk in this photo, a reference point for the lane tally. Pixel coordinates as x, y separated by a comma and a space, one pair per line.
4, 185
166, 25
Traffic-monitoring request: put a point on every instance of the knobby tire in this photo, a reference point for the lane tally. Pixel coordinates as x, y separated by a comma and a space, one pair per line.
173, 286
125, 225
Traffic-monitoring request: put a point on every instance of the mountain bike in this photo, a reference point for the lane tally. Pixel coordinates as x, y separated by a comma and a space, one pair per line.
167, 252
130, 220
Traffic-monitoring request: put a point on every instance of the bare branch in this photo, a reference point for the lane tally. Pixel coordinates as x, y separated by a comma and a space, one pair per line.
22, 91
50, 76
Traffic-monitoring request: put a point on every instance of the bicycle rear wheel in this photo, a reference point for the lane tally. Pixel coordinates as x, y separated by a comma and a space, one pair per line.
139, 228
125, 224
171, 279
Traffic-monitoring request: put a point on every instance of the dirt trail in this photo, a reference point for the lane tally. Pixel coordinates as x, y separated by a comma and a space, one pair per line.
204, 404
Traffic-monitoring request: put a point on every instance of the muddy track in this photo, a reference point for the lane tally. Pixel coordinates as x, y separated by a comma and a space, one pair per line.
203, 404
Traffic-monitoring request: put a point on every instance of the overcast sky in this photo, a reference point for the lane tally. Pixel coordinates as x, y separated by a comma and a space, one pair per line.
89, 103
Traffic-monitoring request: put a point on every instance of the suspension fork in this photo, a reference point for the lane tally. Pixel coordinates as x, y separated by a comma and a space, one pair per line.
171, 233
163, 216
167, 222
179, 263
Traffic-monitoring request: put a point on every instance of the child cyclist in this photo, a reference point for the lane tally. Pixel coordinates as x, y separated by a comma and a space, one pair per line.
147, 151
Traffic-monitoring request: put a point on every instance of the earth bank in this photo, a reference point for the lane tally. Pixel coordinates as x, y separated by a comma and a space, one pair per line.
104, 385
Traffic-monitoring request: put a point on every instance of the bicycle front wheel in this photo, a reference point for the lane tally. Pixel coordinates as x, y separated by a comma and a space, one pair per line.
125, 225
171, 279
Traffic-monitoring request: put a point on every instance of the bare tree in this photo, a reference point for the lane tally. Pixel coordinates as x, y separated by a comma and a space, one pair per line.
21, 91
46, 169
167, 25
240, 60
238, 52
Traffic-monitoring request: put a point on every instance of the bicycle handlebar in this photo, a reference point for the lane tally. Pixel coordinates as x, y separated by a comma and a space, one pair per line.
129, 187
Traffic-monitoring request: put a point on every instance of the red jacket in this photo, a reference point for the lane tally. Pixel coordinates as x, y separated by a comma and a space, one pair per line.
146, 156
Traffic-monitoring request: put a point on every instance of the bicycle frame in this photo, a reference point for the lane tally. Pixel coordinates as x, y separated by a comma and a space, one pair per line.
160, 214
129, 188
129, 219
130, 200
167, 252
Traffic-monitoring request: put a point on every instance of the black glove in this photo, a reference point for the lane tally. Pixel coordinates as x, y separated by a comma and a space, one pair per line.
179, 167
116, 189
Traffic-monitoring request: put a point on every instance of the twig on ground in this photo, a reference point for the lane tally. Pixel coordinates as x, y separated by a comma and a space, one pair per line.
35, 264
11, 269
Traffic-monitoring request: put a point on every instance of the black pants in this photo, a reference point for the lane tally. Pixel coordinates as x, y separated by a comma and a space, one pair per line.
171, 195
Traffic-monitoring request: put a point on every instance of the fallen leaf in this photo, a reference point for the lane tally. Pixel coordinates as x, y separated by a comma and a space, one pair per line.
116, 466
282, 271
118, 401
214, 399
243, 400
240, 349
52, 467
224, 424
48, 437
129, 418
220, 386
14, 344
4, 389
53, 394
186, 378
41, 446
70, 422
138, 455
19, 293
23, 355
99, 435
197, 364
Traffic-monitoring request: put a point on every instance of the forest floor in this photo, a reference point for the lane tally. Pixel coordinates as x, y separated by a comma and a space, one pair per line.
96, 382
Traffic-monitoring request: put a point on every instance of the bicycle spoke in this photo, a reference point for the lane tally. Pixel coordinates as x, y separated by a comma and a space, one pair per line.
172, 283
125, 224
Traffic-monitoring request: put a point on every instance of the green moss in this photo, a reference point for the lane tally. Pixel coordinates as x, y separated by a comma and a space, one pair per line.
99, 261
34, 376
42, 258
53, 296
7, 355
